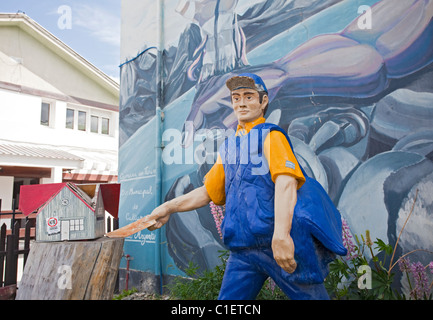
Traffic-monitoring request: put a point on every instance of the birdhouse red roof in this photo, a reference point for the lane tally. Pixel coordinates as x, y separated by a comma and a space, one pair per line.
33, 197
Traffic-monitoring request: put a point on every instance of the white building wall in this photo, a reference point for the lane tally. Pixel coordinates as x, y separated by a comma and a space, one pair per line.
20, 116
37, 68
66, 75
6, 185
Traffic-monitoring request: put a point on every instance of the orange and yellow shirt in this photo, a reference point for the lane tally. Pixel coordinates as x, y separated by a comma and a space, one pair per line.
278, 153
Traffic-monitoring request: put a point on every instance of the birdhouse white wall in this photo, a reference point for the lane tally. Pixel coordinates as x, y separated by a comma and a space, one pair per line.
67, 216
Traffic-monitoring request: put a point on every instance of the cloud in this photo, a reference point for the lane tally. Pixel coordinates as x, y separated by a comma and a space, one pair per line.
98, 21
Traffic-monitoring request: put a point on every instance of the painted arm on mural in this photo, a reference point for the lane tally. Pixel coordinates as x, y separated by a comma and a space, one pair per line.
354, 63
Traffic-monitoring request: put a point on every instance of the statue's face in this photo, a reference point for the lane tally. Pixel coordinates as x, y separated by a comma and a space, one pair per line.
247, 106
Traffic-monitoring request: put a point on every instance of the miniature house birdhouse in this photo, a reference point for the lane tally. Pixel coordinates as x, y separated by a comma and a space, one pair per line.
66, 211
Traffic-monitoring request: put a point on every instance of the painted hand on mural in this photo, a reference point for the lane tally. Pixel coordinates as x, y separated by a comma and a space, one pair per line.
223, 46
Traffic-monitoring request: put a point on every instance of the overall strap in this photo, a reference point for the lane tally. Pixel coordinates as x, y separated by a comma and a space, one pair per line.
274, 127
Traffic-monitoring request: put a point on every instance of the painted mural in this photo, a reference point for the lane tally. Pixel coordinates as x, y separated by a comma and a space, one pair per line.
350, 81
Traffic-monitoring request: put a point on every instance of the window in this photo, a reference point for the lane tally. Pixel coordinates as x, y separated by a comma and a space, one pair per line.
105, 126
76, 225
87, 119
94, 124
45, 114
70, 118
82, 120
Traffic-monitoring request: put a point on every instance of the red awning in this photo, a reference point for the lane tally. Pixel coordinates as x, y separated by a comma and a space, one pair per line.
110, 196
89, 177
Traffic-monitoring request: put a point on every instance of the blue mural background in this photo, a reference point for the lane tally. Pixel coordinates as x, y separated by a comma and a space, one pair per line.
350, 81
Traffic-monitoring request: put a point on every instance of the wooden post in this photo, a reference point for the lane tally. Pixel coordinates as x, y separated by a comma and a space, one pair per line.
71, 270
11, 260
27, 235
2, 251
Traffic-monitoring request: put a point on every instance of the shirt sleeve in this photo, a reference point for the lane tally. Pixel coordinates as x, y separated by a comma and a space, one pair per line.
214, 182
281, 158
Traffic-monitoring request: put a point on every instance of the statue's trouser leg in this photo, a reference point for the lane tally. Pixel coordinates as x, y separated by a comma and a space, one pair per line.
247, 270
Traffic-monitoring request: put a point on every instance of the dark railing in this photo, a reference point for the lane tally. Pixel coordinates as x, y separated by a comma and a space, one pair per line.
9, 253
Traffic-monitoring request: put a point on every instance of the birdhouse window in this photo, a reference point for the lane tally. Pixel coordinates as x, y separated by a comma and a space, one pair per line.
76, 225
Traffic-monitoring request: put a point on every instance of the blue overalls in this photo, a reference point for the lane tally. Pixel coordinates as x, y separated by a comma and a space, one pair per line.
248, 225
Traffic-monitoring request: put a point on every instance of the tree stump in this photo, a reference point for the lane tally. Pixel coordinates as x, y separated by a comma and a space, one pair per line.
76, 270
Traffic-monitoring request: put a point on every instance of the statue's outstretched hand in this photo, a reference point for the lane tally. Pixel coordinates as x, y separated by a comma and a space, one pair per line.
161, 215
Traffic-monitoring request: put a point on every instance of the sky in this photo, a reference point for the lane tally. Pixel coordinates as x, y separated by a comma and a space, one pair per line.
89, 27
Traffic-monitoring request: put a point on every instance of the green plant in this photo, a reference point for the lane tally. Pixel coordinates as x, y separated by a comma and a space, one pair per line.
270, 291
199, 287
124, 294
346, 282
366, 260
207, 285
